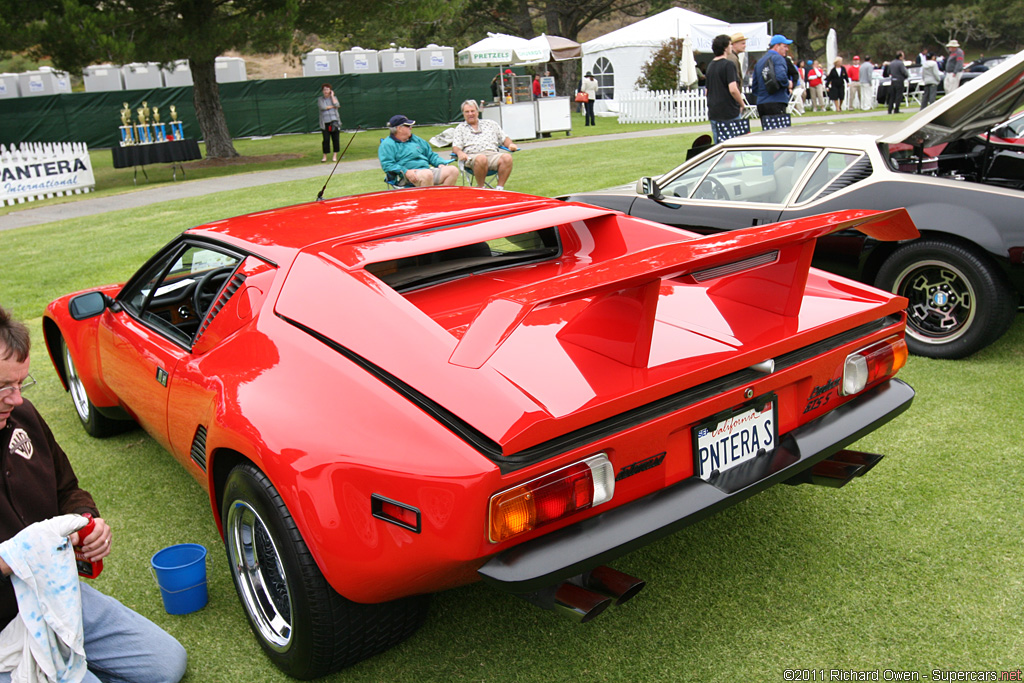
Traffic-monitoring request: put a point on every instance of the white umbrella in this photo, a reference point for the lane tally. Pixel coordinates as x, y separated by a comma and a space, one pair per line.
561, 48
687, 65
831, 48
499, 48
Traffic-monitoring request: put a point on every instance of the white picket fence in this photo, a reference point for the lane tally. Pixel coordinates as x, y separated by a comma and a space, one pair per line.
40, 170
663, 106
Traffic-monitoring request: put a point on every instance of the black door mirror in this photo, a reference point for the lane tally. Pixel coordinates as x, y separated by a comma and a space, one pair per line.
88, 305
649, 187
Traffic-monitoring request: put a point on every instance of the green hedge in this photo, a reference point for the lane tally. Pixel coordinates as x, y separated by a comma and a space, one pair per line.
252, 108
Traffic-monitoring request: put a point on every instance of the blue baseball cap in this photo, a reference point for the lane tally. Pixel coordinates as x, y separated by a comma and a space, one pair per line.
400, 120
779, 38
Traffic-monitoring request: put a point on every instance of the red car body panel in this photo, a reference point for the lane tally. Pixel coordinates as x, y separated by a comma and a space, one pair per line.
339, 387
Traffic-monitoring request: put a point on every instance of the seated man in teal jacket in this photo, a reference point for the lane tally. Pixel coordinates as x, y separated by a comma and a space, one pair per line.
404, 155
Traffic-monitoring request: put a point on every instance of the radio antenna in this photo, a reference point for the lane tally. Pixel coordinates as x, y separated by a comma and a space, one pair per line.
320, 195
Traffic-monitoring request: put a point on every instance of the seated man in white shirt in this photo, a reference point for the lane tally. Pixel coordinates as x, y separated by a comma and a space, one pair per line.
476, 143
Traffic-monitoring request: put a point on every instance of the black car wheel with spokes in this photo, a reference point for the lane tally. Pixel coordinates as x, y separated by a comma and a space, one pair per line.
305, 627
958, 301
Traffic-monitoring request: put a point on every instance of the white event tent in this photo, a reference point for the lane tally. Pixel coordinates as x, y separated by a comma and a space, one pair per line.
616, 58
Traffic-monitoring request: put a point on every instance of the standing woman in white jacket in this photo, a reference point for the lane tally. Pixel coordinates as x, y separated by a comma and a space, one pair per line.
930, 77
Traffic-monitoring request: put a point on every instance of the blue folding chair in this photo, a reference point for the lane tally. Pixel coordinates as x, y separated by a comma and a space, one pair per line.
468, 178
396, 181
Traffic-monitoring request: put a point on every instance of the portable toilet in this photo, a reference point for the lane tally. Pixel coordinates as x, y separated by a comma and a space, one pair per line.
45, 81
320, 62
102, 78
397, 60
359, 61
142, 76
433, 57
178, 75
9, 86
229, 69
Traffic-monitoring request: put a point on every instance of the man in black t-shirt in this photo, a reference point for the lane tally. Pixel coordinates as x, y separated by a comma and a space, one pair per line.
725, 100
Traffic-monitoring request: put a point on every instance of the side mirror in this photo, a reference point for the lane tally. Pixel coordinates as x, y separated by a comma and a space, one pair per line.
649, 188
87, 305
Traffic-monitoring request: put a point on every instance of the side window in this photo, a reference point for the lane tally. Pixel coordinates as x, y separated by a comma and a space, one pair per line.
175, 293
684, 184
830, 167
761, 176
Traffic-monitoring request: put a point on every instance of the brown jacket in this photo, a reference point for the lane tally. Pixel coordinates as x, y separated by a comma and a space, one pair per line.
37, 483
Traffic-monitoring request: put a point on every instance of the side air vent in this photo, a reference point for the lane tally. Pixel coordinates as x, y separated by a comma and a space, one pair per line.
198, 450
233, 284
856, 173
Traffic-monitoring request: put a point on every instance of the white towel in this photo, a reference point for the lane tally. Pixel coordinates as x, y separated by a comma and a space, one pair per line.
45, 642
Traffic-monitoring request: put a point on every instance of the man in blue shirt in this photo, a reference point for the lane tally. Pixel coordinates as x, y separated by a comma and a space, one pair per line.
773, 62
407, 157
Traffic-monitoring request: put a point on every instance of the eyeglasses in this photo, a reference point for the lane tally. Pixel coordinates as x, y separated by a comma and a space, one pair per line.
21, 387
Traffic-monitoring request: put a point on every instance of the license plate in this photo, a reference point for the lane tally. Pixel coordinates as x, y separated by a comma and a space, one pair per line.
733, 438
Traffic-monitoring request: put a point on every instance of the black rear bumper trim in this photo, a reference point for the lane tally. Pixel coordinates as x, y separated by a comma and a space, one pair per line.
575, 549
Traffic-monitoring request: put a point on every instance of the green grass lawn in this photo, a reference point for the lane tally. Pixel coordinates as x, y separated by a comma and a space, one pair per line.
917, 566
290, 151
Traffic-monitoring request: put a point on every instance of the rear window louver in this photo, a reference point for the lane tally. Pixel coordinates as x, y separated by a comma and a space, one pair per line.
233, 285
856, 173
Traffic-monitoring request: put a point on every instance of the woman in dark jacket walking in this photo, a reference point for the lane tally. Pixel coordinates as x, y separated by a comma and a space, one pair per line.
836, 83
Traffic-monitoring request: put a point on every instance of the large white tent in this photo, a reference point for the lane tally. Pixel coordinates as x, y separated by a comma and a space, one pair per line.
616, 58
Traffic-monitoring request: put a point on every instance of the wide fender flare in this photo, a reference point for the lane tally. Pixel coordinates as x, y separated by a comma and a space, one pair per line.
959, 220
326, 470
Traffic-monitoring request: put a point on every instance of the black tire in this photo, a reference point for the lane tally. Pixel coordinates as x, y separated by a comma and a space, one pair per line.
305, 627
94, 423
959, 301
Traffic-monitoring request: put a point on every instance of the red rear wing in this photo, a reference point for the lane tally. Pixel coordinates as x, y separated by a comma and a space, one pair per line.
765, 267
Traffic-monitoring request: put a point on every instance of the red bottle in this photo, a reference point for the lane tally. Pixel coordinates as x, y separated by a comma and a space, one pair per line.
88, 569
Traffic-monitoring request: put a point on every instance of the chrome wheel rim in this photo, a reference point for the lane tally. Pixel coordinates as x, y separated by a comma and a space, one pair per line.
943, 303
78, 395
259, 575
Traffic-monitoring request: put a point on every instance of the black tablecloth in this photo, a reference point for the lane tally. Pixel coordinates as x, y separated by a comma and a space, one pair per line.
174, 151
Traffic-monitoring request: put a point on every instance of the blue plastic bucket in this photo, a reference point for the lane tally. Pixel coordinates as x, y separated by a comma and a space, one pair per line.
180, 572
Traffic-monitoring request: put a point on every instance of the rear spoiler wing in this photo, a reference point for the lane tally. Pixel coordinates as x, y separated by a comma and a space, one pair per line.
619, 321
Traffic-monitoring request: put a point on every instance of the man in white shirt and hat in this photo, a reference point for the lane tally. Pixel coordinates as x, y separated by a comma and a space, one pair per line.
954, 67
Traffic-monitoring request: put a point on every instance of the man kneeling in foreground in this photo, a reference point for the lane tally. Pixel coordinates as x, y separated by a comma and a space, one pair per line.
39, 484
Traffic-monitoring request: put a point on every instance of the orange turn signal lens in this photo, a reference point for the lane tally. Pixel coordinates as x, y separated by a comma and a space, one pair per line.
875, 362
551, 497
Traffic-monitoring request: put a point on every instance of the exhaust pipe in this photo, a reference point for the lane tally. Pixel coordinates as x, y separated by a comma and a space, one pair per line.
570, 600
607, 581
837, 470
583, 597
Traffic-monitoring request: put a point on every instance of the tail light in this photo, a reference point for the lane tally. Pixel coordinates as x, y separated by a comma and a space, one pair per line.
554, 496
873, 363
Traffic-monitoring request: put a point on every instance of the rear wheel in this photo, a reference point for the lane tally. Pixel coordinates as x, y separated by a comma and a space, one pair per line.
304, 626
959, 301
92, 421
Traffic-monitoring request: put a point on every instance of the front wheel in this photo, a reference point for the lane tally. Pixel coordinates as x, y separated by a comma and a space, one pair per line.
94, 423
304, 626
959, 302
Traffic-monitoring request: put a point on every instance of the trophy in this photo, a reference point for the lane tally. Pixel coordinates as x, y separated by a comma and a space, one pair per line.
177, 127
159, 129
142, 131
127, 130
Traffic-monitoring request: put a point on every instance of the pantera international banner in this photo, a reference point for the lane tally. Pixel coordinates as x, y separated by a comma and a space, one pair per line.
37, 170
